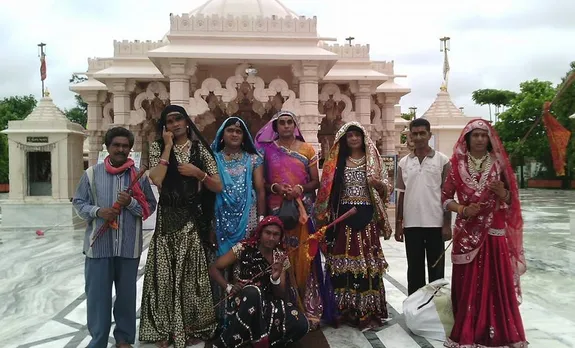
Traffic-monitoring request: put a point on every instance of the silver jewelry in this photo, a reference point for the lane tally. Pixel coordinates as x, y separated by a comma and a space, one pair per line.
229, 288
231, 156
474, 172
275, 282
478, 162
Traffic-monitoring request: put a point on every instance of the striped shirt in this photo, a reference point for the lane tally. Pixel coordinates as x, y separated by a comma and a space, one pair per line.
98, 188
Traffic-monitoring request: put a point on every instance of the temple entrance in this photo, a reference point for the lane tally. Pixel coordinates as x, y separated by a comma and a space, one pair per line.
39, 174
253, 112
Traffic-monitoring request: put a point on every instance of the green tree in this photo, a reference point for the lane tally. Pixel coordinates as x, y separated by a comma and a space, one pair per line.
498, 98
516, 121
79, 113
407, 116
11, 109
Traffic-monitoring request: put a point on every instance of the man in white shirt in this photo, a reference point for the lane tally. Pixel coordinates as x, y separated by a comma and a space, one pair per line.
420, 218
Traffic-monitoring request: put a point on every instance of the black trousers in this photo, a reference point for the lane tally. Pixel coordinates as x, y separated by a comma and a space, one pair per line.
419, 243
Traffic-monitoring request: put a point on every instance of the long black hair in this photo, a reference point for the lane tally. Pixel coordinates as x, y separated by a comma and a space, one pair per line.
174, 182
247, 142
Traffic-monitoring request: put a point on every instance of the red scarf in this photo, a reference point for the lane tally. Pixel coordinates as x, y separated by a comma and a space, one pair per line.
137, 192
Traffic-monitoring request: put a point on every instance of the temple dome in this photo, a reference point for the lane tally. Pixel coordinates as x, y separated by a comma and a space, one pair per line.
251, 8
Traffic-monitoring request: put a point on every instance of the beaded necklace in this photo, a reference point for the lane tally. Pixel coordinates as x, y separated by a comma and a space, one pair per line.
478, 166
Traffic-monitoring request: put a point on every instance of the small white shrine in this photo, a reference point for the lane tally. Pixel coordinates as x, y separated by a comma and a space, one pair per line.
45, 152
447, 121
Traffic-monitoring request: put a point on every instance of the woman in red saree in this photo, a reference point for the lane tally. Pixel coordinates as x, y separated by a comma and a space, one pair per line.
487, 255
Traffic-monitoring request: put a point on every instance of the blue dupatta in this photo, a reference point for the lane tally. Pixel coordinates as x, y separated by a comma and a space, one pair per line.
231, 230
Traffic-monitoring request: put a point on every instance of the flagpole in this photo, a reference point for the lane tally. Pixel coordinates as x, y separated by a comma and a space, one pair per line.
444, 46
42, 56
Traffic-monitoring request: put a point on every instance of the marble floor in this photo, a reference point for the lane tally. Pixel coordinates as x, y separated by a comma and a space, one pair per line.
42, 302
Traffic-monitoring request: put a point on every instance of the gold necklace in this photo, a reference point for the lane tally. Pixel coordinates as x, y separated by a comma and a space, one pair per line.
182, 147
477, 163
358, 161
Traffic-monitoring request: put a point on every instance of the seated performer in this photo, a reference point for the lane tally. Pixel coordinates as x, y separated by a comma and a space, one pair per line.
257, 312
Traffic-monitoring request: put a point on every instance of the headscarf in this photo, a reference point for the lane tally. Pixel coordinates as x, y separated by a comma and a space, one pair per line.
514, 220
374, 168
268, 220
268, 133
231, 231
248, 143
174, 178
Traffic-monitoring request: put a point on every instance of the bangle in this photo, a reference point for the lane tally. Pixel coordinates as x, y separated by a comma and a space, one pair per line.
300, 187
164, 162
507, 196
272, 188
275, 282
463, 212
204, 178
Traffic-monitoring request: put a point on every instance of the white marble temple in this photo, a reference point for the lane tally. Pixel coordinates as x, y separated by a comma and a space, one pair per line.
42, 302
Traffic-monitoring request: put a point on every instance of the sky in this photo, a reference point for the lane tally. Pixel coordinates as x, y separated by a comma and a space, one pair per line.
494, 43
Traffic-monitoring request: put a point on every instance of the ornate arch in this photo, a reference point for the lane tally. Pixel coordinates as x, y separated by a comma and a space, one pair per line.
155, 89
332, 90
280, 86
198, 103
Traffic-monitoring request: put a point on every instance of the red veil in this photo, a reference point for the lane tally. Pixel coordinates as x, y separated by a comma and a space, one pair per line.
466, 245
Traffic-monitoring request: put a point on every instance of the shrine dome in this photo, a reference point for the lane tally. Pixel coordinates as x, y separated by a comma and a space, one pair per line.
238, 8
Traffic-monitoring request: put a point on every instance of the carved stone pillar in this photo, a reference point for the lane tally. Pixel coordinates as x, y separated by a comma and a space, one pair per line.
121, 108
95, 145
121, 89
308, 94
363, 106
138, 137
94, 100
388, 122
180, 72
139, 142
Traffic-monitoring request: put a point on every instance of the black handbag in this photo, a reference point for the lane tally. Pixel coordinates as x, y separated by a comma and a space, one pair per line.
288, 213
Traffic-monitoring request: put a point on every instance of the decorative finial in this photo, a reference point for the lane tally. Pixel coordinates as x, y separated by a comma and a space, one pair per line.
350, 40
46, 93
444, 47
443, 87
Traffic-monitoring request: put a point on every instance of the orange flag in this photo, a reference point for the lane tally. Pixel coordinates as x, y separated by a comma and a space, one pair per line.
43, 67
313, 243
558, 140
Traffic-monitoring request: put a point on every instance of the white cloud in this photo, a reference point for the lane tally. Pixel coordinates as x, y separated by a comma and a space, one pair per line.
495, 43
